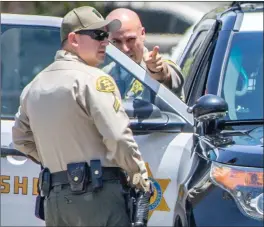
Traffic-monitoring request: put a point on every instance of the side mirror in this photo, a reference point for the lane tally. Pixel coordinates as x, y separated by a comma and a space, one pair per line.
208, 107
141, 109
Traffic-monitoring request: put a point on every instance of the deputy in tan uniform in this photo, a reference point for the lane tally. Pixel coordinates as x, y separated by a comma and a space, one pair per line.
130, 39
71, 113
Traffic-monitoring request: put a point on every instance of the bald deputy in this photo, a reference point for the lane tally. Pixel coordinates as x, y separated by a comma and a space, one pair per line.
130, 39
72, 121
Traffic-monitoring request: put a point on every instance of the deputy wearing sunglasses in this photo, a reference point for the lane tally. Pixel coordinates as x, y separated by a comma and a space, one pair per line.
71, 120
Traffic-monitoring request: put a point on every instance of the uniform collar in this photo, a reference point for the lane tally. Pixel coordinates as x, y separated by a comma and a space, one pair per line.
63, 55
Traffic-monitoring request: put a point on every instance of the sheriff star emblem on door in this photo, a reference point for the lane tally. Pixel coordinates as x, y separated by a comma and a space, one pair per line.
158, 202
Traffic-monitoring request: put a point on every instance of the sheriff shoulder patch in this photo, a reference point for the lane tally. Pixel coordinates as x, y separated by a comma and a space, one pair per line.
136, 87
105, 84
169, 62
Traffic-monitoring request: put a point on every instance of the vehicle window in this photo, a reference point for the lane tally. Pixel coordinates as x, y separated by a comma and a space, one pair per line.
192, 53
25, 51
242, 86
129, 87
199, 84
200, 72
188, 63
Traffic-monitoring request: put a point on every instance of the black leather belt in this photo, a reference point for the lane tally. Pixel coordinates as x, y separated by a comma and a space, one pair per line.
109, 173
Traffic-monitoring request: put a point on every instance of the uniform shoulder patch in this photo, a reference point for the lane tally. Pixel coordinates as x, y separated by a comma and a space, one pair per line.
175, 66
169, 62
105, 84
117, 104
136, 89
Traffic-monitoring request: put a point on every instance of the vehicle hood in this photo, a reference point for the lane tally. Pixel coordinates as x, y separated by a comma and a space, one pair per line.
6, 133
240, 150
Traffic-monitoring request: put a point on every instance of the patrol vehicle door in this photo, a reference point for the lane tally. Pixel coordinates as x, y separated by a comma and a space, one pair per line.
163, 129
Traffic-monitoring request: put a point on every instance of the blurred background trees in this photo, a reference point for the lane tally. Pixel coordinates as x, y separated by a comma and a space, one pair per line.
49, 8
166, 23
60, 8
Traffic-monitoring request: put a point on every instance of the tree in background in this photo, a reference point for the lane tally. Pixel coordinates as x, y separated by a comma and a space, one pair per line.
47, 8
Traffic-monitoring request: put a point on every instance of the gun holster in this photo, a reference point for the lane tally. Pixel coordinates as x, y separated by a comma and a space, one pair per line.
138, 206
78, 177
44, 186
44, 183
39, 207
142, 209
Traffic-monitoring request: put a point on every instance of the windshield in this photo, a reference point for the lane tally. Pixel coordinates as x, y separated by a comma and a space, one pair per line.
242, 87
25, 51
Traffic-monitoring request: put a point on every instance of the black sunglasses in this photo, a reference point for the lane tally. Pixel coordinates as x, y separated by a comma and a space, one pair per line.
98, 35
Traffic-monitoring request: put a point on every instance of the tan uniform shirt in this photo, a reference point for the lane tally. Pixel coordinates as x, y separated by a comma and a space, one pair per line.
72, 112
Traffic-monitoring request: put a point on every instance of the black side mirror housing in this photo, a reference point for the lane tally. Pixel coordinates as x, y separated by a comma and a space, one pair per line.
208, 107
141, 109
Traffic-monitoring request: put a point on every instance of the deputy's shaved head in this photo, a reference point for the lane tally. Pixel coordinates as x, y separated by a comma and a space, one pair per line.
125, 15
131, 36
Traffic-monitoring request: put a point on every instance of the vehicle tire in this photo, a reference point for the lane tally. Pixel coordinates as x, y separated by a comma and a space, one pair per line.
178, 222
180, 217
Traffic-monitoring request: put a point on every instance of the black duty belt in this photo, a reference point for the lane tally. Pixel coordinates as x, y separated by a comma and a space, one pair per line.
109, 173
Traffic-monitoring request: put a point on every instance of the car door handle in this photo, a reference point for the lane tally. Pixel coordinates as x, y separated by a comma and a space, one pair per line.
10, 153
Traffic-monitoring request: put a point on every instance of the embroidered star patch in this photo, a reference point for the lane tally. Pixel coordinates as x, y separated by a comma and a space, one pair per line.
105, 84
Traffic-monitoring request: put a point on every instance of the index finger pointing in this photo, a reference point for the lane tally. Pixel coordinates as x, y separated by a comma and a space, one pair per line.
155, 52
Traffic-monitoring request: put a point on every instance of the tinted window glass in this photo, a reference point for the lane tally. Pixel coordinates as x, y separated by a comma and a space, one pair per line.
129, 87
243, 78
192, 53
188, 63
25, 51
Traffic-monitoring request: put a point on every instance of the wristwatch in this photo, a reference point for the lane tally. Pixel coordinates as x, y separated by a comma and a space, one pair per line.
161, 81
155, 72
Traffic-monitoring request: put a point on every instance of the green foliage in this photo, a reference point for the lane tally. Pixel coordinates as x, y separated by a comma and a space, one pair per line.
47, 8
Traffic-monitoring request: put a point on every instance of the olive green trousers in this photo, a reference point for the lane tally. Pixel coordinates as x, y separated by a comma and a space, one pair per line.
103, 208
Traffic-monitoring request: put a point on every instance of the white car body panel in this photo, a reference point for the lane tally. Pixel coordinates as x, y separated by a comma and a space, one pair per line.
17, 209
